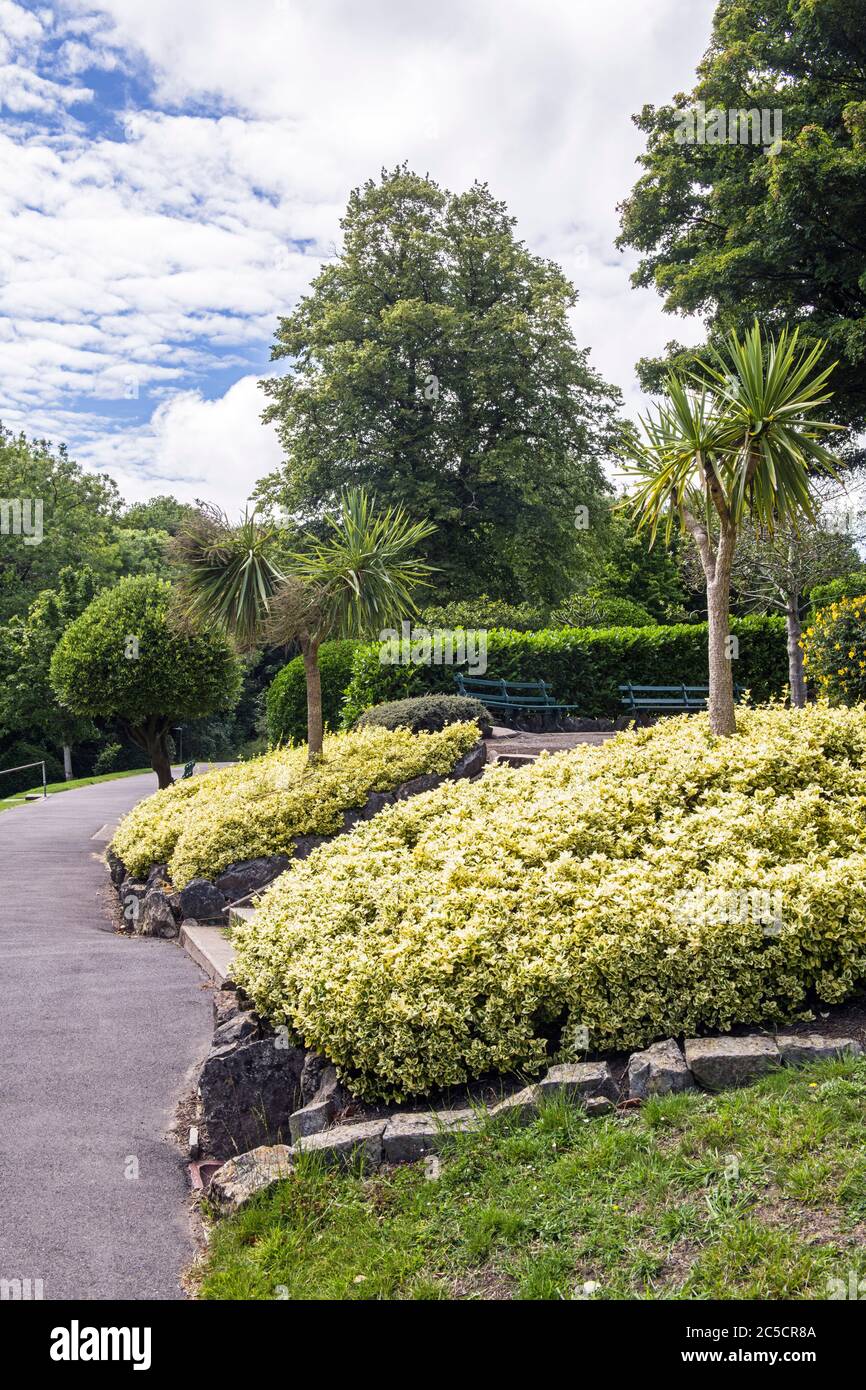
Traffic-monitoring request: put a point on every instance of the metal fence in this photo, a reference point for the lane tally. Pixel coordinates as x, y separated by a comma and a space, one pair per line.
21, 767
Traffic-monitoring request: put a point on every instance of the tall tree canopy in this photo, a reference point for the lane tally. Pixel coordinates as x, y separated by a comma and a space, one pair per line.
434, 363
77, 512
732, 232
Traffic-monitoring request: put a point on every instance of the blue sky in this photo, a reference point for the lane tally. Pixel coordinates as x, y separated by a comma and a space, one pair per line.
172, 176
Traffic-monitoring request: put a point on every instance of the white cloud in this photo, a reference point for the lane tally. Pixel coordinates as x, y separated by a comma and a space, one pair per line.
166, 255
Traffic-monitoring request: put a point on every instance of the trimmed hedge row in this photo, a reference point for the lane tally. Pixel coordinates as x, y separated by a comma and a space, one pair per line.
585, 666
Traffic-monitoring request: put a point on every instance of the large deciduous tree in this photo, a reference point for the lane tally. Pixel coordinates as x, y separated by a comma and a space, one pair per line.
433, 362
732, 231
123, 658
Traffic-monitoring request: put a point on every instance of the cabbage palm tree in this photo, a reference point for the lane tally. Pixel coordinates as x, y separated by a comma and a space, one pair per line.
738, 445
357, 580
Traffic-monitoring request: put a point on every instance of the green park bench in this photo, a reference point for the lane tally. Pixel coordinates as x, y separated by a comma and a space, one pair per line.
188, 770
666, 699
520, 697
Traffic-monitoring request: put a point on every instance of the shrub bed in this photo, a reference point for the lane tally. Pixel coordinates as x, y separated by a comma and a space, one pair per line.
834, 650
200, 826
286, 699
482, 927
586, 666
428, 712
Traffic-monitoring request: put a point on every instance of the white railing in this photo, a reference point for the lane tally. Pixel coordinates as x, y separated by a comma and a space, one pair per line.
21, 767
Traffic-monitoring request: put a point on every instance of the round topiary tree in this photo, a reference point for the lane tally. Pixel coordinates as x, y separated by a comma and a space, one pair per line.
834, 651
123, 658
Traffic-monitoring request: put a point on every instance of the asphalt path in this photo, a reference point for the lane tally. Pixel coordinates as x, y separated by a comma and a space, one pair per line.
100, 1036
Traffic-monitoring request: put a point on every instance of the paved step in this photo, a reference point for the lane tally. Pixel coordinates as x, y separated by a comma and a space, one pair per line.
211, 949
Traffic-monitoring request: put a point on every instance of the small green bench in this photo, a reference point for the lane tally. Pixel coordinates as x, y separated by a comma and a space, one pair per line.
666, 699
188, 770
530, 697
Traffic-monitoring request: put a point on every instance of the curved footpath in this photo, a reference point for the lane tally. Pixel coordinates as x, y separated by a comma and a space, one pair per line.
99, 1035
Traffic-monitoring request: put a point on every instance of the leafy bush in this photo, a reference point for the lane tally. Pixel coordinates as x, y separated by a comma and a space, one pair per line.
484, 612
107, 759
586, 666
598, 610
428, 712
286, 699
465, 929
848, 586
200, 826
834, 651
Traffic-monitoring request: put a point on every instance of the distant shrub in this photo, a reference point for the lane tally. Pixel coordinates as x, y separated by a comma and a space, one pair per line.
595, 610
428, 713
107, 759
484, 612
848, 586
286, 699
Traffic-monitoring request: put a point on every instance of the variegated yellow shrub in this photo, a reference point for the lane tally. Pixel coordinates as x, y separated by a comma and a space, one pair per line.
575, 904
200, 826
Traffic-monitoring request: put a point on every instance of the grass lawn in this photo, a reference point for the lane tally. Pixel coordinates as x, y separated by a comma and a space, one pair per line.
753, 1194
53, 787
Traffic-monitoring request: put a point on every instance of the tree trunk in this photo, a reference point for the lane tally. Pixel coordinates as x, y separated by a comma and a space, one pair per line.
721, 702
796, 675
67, 762
153, 737
315, 730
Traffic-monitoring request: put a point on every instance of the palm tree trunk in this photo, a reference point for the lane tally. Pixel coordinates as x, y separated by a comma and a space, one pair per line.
796, 675
721, 702
315, 729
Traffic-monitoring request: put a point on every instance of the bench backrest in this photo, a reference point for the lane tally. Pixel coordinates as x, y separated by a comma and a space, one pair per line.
526, 694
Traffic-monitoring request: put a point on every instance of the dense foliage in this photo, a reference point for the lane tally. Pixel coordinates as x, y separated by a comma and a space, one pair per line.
434, 359
847, 586
200, 826
728, 230
483, 926
599, 610
586, 666
428, 713
834, 651
123, 658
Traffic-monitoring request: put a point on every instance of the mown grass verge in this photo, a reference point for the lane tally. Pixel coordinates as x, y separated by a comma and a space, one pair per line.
753, 1194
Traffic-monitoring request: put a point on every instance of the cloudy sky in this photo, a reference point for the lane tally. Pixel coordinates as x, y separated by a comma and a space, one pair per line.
172, 174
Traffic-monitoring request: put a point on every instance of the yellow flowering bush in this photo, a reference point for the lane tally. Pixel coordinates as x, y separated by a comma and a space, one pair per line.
480, 927
200, 826
834, 650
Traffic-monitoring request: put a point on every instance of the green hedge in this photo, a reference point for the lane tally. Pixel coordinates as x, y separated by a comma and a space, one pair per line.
848, 586
585, 666
286, 699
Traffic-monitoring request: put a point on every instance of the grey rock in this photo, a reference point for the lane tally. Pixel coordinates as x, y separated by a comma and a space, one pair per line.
598, 1105
523, 1105
202, 900
241, 1178
156, 917
425, 783
158, 873
226, 1003
241, 1028
250, 875
311, 1077
347, 1144
318, 1113
248, 1093
471, 763
414, 1133
719, 1063
116, 867
658, 1071
580, 1079
799, 1048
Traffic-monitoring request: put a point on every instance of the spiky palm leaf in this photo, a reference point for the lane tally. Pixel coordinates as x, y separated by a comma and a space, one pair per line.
364, 572
227, 578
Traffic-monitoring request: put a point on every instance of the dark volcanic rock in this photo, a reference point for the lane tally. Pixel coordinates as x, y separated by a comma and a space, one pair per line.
248, 1093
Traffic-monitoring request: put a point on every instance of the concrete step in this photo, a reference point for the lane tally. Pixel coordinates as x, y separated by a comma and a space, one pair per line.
237, 915
515, 759
211, 949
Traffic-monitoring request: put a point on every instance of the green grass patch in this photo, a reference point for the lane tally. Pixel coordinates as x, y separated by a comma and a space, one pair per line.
753, 1194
